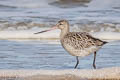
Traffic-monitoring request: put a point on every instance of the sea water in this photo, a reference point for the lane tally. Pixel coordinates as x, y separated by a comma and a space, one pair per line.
20, 19
45, 54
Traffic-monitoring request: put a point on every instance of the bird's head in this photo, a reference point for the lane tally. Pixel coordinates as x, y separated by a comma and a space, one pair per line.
62, 24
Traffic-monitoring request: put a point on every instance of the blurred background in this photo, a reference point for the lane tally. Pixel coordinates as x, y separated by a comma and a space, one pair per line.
20, 19
84, 15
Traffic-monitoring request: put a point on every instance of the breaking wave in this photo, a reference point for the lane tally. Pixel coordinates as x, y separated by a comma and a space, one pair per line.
21, 18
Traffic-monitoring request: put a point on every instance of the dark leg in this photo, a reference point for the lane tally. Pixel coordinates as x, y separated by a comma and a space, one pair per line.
94, 60
77, 62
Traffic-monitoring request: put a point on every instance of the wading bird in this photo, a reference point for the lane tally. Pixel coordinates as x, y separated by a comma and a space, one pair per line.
77, 44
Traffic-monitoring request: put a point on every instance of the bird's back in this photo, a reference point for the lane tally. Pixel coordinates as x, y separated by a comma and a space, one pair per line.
80, 43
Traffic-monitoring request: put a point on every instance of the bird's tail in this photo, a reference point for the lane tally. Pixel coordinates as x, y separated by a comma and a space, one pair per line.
104, 42
100, 42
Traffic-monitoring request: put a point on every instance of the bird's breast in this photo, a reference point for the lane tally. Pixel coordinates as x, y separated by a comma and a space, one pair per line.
80, 51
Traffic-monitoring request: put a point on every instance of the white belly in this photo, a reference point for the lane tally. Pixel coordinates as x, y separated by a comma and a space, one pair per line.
81, 52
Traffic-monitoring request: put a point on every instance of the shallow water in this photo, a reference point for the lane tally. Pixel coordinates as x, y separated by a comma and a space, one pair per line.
50, 55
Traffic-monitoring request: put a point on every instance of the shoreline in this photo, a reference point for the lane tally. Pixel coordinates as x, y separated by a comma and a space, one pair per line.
112, 73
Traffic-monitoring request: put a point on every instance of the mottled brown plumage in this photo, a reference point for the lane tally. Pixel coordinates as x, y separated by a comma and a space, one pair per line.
81, 40
78, 44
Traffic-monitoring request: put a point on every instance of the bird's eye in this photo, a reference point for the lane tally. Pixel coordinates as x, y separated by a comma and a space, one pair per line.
60, 23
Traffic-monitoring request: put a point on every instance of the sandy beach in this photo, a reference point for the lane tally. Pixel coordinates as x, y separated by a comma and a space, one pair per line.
70, 74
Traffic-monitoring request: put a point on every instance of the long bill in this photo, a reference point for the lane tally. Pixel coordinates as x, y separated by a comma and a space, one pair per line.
53, 28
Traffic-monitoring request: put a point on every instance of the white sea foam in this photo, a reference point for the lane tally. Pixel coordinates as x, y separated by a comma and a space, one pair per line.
107, 35
29, 34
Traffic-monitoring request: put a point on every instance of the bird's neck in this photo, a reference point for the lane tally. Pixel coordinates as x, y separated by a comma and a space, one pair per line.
64, 32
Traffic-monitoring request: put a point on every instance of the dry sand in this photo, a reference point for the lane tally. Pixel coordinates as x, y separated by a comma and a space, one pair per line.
72, 74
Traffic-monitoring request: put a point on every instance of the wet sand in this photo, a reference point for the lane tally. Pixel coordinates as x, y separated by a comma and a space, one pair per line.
71, 74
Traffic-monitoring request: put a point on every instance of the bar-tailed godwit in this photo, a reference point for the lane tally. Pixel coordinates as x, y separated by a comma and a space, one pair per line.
78, 44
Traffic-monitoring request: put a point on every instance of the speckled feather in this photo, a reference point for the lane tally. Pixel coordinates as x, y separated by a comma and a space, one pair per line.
81, 40
81, 43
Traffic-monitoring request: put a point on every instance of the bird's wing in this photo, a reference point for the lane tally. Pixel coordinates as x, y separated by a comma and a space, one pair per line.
81, 40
